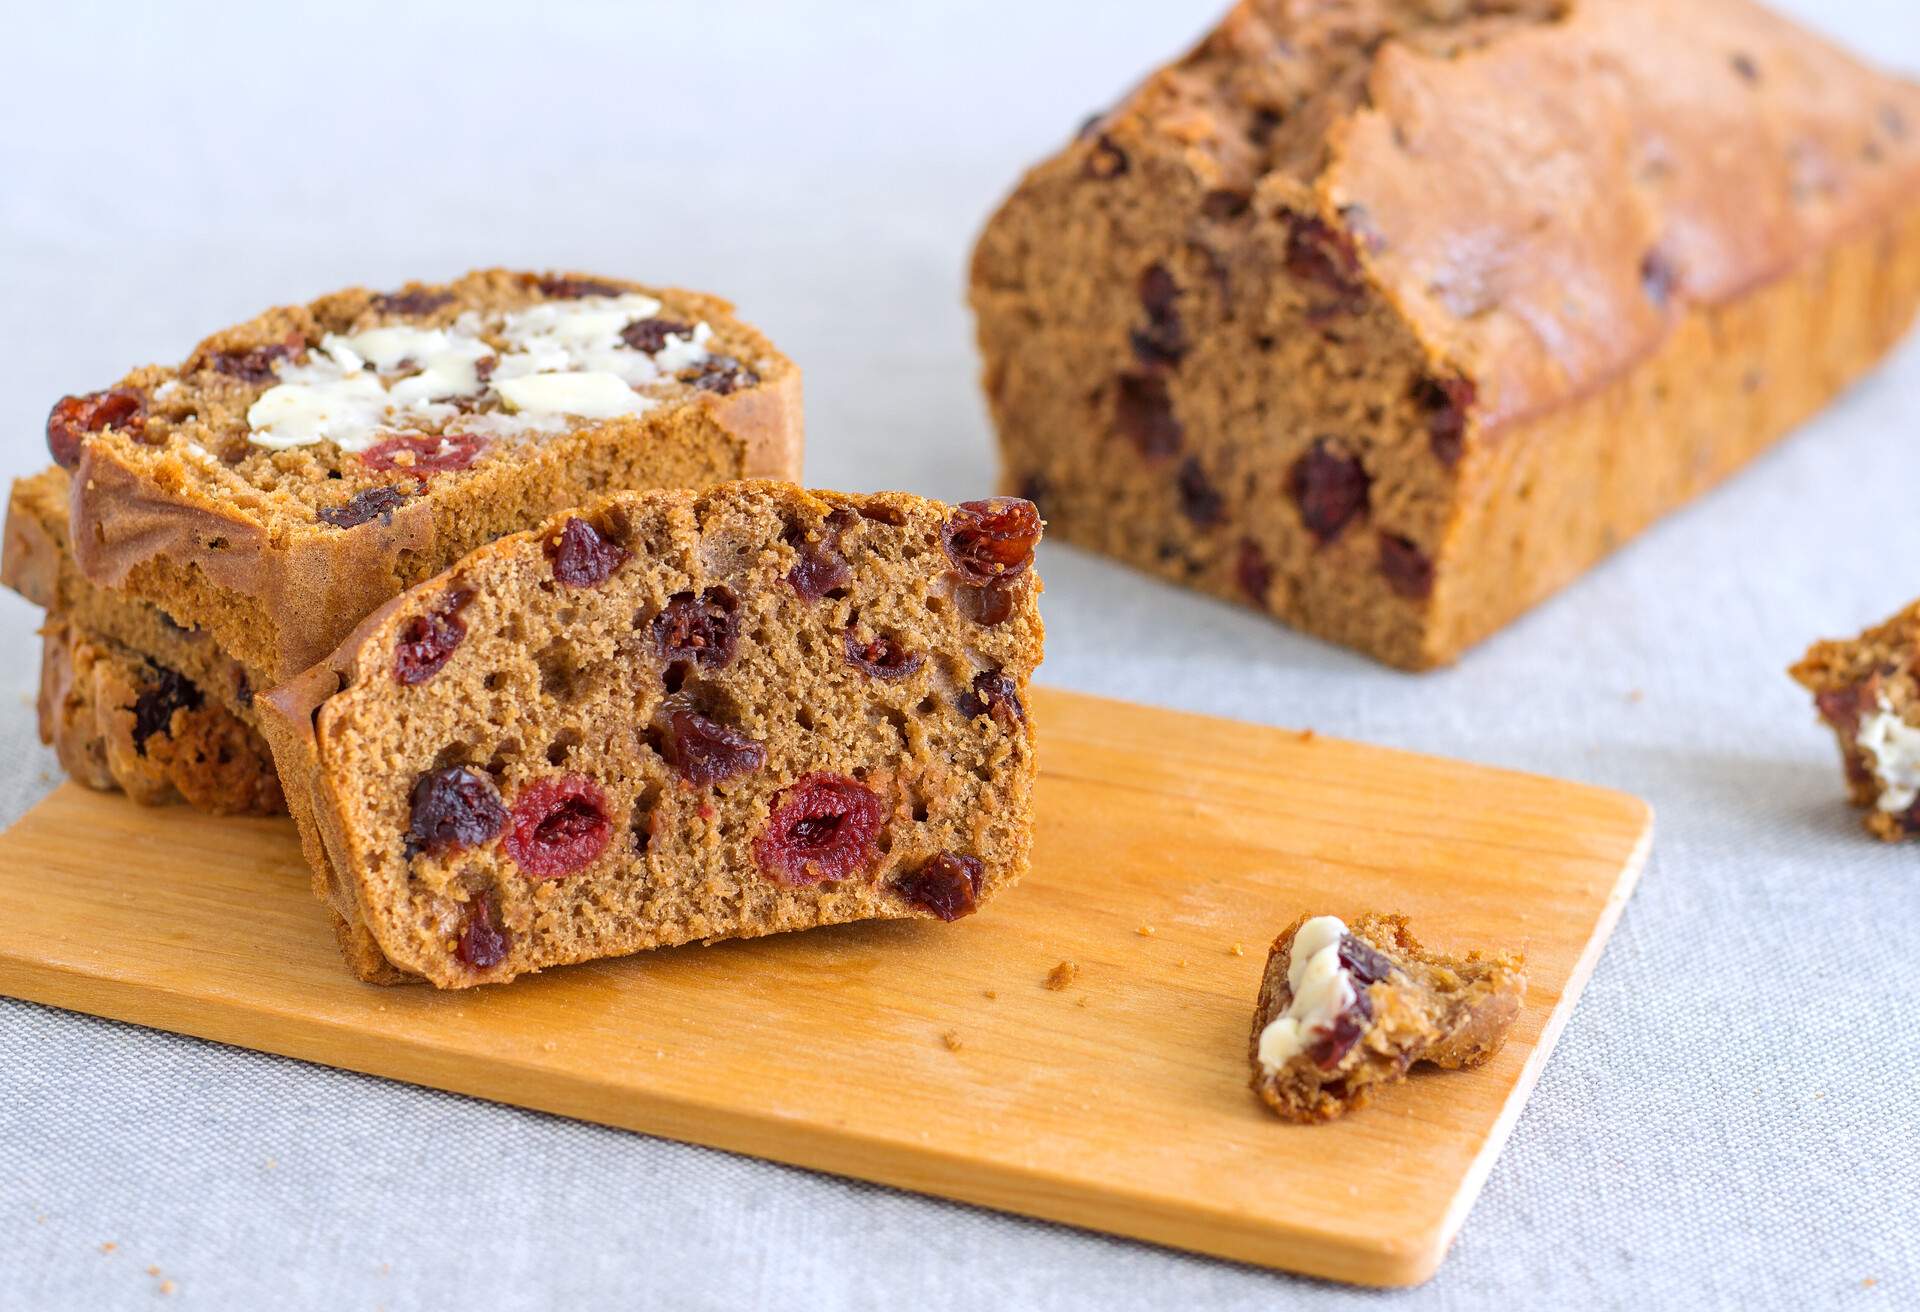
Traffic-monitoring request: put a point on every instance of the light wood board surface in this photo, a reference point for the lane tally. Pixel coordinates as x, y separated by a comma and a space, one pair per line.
1170, 849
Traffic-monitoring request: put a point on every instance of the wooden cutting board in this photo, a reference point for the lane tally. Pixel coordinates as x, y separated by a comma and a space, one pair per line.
1170, 850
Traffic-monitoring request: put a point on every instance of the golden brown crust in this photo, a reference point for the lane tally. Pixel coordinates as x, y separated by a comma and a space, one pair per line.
1450, 1011
224, 536
1855, 677
549, 682
1525, 280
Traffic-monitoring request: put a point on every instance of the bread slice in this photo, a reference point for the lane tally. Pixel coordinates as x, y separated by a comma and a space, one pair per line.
674, 717
1867, 690
300, 469
1365, 1003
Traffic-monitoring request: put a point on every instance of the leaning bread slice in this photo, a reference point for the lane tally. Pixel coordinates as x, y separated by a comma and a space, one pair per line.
299, 469
1344, 1009
672, 717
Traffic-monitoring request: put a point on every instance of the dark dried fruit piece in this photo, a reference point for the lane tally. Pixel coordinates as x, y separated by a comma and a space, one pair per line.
821, 568
650, 335
412, 302
704, 751
1107, 160
988, 605
482, 943
1366, 963
424, 452
1143, 414
882, 657
257, 364
823, 827
581, 557
1408, 571
1333, 1041
162, 692
1326, 257
1162, 344
991, 541
73, 417
994, 695
1225, 204
1744, 65
1658, 277
428, 641
724, 375
1446, 402
454, 808
1200, 500
1842, 707
573, 289
1252, 572
559, 826
374, 503
701, 629
1329, 485
948, 886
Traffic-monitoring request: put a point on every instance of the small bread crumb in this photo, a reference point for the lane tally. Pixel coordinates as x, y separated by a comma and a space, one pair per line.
1062, 975
952, 1039
1081, 1001
1145, 931
1306, 735
1236, 951
989, 994
108, 1247
153, 1270
166, 1287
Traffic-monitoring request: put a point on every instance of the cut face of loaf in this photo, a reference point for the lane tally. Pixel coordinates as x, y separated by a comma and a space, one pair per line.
300, 469
1344, 1009
1867, 690
1390, 318
674, 717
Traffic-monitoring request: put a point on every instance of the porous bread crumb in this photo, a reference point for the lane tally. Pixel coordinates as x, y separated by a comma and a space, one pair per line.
1062, 975
1237, 951
1145, 931
952, 1039
990, 994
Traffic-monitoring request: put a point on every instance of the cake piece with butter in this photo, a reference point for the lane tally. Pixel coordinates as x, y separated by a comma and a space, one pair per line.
1346, 1008
300, 469
1867, 690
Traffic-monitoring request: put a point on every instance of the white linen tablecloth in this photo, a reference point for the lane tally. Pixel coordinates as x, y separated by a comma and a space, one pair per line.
1730, 1119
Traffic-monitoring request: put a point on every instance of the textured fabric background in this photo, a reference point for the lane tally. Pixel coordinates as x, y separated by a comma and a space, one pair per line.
1730, 1118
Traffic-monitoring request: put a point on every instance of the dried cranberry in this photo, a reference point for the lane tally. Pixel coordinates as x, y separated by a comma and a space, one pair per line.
412, 302
991, 541
701, 629
1200, 500
482, 944
1330, 487
162, 692
559, 825
73, 417
1658, 277
882, 657
988, 605
1366, 963
823, 827
948, 886
724, 375
1743, 64
1143, 414
994, 695
1446, 402
1841, 707
1225, 204
1406, 568
572, 289
429, 453
1252, 571
650, 335
453, 808
821, 568
374, 503
1107, 160
257, 364
1333, 1041
703, 751
428, 641
581, 557
1162, 344
1323, 255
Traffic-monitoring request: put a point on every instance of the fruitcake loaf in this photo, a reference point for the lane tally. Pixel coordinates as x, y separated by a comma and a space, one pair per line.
1390, 317
303, 467
1345, 1009
1867, 690
674, 716
128, 698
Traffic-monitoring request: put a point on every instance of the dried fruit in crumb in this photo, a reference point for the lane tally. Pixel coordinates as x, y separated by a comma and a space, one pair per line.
1143, 414
363, 507
1326, 257
453, 809
412, 302
703, 629
1330, 486
1446, 403
947, 887
704, 751
821, 568
650, 335
163, 692
823, 827
74, 417
723, 375
428, 641
882, 657
991, 541
259, 364
561, 288
988, 605
1200, 500
1252, 572
424, 452
994, 695
581, 557
559, 826
1162, 343
1406, 568
483, 943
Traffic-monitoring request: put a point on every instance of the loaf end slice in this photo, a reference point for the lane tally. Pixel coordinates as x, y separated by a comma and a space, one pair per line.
674, 717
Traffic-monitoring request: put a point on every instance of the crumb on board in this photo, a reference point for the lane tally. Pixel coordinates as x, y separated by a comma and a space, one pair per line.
1062, 975
989, 994
108, 1247
153, 1271
952, 1039
1081, 1001
1145, 931
1236, 951
166, 1287
1306, 735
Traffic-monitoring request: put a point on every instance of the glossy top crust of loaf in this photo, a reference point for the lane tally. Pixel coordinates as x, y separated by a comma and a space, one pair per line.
1539, 187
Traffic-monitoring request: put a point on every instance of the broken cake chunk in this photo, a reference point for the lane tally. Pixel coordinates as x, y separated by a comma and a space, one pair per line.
1867, 690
